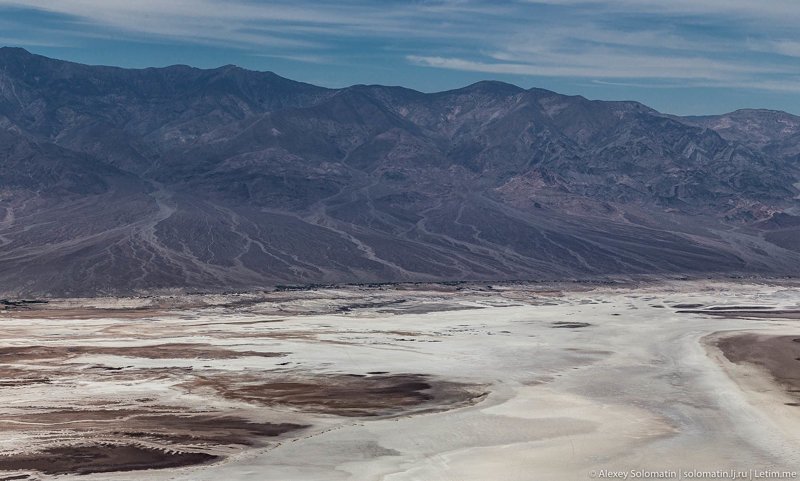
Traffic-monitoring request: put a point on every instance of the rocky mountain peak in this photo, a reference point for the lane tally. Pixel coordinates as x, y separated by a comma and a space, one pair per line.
123, 180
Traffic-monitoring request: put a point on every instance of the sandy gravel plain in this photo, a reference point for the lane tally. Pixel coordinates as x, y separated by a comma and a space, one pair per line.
412, 382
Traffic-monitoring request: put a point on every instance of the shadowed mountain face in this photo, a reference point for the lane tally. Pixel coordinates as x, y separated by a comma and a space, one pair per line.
118, 181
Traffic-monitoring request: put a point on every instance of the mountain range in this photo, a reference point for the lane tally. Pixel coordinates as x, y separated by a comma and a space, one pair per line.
121, 181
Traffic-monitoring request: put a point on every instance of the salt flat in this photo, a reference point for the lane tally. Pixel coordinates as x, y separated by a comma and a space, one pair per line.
408, 382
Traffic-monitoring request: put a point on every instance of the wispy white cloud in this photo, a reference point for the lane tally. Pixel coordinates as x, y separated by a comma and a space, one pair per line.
785, 86
313, 59
781, 11
603, 65
787, 48
277, 23
732, 43
710, 43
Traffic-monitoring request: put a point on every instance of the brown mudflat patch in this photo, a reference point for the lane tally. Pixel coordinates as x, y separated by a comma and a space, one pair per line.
344, 395
219, 430
173, 439
157, 351
777, 354
101, 458
170, 428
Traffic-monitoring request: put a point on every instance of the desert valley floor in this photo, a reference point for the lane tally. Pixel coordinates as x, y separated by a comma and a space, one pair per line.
406, 382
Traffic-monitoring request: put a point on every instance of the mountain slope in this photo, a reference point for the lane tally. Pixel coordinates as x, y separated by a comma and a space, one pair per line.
119, 181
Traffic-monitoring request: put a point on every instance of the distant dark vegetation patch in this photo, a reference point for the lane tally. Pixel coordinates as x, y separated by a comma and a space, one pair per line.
22, 303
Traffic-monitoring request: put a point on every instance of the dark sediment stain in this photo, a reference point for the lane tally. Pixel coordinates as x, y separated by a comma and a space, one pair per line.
687, 306
738, 308
569, 325
428, 308
12, 377
20, 303
369, 305
741, 313
156, 351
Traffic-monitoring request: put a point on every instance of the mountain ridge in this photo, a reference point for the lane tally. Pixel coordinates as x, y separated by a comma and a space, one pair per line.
130, 180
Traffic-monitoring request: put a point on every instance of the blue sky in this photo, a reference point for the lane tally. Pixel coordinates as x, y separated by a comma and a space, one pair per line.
678, 56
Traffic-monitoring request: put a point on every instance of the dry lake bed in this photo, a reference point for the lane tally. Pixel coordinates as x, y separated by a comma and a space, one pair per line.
668, 380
